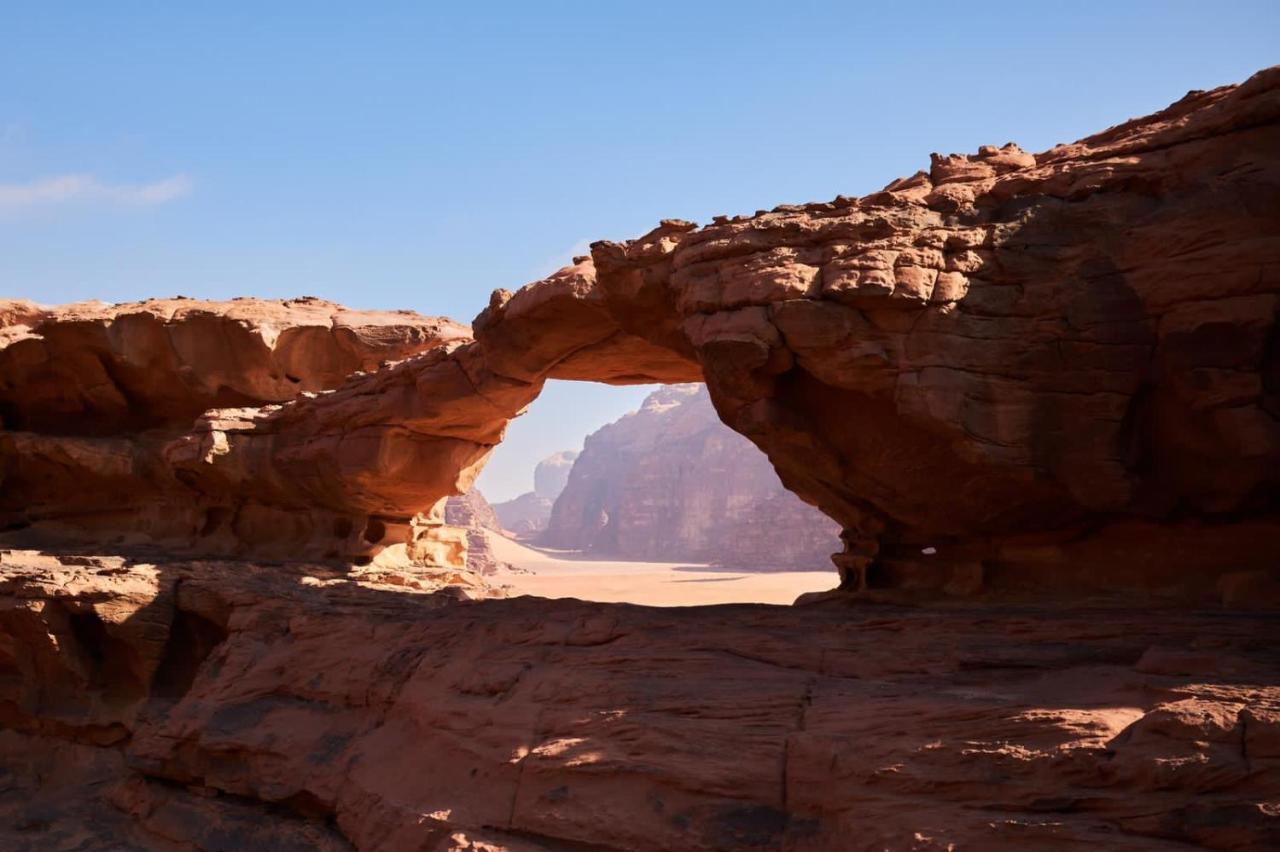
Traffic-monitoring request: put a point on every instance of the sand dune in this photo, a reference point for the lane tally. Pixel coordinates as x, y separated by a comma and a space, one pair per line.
565, 575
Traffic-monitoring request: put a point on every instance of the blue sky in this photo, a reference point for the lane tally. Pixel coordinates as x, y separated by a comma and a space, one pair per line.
418, 157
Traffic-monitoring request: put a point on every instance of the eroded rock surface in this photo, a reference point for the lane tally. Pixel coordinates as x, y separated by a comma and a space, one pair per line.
1011, 376
191, 704
1053, 368
1048, 373
471, 512
98, 404
97, 369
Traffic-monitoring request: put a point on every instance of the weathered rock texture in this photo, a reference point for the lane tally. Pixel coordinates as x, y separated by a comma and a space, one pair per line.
98, 402
471, 512
530, 512
671, 482
1055, 372
1051, 375
182, 705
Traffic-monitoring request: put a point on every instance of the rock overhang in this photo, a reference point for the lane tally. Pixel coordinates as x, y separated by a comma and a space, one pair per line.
1064, 354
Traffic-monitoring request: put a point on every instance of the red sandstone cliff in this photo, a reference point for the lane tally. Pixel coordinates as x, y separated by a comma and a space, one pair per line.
1054, 372
1043, 387
670, 482
97, 401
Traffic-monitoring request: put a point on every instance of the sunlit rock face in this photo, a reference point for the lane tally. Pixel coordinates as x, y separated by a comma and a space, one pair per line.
1055, 371
98, 404
471, 510
472, 513
670, 482
94, 369
552, 474
1025, 380
1013, 373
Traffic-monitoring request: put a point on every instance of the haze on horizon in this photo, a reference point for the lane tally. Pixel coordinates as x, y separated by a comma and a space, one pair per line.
412, 157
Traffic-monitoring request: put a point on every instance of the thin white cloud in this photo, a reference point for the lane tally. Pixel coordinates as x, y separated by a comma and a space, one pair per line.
65, 189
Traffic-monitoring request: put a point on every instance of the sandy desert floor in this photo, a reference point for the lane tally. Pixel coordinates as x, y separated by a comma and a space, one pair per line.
566, 575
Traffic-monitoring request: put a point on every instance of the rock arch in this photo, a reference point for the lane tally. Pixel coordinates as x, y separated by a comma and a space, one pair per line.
1053, 371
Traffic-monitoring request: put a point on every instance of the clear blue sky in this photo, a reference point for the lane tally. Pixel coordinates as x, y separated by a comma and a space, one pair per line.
417, 157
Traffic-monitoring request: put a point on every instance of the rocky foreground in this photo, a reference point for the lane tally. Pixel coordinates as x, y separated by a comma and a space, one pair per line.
1040, 393
202, 705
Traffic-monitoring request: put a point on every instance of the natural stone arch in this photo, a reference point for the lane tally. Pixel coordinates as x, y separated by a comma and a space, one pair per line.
983, 359
999, 360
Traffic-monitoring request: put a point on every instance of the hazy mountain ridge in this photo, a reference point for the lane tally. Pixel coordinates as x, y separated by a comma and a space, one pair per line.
671, 482
529, 512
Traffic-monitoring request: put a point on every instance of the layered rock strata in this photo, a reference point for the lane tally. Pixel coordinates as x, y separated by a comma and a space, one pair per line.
187, 705
1048, 375
471, 512
670, 482
98, 402
1053, 373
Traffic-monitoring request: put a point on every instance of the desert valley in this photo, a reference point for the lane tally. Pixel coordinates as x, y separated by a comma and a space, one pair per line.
954, 525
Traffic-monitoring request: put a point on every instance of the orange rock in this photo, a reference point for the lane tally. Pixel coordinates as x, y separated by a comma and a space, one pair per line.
161, 704
1079, 345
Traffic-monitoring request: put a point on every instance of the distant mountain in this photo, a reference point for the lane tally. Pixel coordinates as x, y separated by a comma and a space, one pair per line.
671, 482
552, 474
529, 512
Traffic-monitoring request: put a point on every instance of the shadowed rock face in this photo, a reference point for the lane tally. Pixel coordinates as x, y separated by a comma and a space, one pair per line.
245, 707
1055, 372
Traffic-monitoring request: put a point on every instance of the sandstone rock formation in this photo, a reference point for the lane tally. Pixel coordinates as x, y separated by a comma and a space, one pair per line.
1011, 373
670, 482
95, 369
97, 404
526, 514
551, 475
1043, 377
188, 704
530, 512
471, 512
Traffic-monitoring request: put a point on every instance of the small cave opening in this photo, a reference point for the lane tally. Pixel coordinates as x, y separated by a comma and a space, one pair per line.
10, 671
877, 576
111, 666
192, 638
640, 494
215, 518
375, 531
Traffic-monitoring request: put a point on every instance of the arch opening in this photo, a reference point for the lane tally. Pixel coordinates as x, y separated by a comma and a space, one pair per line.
640, 494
